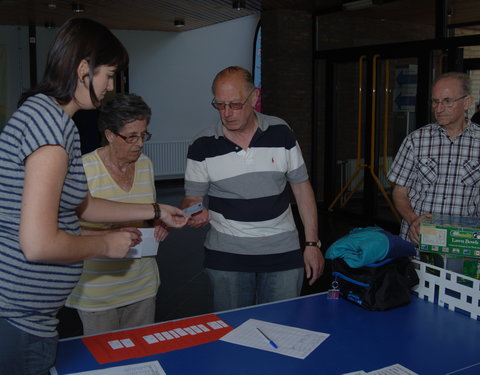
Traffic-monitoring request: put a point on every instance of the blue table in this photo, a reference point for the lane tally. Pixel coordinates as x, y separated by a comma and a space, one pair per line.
425, 338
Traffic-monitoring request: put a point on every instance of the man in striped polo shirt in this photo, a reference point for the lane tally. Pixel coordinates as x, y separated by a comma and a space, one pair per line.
244, 165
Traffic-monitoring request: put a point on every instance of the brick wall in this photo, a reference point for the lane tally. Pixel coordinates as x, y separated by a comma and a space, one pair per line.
287, 76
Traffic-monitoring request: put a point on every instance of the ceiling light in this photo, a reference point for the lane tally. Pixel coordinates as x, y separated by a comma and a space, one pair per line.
50, 25
78, 8
238, 4
52, 6
178, 22
357, 4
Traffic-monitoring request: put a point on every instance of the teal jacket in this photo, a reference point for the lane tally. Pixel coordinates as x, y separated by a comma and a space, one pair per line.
364, 246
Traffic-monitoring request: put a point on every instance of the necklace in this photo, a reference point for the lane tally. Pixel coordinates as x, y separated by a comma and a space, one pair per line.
122, 176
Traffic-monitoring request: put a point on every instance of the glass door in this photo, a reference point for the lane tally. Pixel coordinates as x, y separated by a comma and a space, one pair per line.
374, 110
371, 108
367, 99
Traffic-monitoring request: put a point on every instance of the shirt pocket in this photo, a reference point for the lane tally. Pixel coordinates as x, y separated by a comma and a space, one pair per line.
428, 171
470, 174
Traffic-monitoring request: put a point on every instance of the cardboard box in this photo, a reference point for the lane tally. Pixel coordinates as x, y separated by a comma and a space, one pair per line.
471, 267
452, 236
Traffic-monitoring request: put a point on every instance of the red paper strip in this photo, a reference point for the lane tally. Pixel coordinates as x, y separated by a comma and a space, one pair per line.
155, 339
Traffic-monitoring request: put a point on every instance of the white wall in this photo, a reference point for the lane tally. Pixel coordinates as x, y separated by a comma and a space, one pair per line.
173, 72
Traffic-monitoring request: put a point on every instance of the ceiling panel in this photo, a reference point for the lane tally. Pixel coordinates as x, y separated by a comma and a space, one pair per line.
161, 14
125, 14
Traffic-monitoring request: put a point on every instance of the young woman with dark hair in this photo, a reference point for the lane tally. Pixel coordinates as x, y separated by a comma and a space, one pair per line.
43, 193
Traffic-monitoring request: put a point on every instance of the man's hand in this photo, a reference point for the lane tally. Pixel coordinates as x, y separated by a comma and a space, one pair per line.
314, 263
414, 229
199, 219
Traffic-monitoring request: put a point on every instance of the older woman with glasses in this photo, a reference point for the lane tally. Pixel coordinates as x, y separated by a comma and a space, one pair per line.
114, 294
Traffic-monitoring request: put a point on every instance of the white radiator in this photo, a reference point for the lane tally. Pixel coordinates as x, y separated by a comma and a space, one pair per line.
168, 158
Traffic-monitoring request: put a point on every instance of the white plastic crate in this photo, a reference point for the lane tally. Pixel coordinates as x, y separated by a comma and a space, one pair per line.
448, 289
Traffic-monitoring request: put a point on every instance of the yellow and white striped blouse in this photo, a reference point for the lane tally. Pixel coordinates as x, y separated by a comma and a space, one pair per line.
111, 283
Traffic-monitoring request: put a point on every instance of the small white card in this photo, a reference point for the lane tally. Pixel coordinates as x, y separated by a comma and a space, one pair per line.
148, 246
197, 207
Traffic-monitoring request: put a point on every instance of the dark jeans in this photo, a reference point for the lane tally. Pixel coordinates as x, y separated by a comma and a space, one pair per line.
24, 354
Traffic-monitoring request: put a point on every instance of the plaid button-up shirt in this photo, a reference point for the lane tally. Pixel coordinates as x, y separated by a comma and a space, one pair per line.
442, 174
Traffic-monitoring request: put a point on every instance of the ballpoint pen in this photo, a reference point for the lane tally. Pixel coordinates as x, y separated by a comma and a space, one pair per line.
268, 339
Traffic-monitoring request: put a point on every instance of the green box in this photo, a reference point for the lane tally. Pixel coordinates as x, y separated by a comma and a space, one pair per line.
471, 267
452, 236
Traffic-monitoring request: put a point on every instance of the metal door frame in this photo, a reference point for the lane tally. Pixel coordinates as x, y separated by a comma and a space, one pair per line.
423, 51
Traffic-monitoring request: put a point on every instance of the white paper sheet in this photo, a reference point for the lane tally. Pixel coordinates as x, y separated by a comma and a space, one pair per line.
291, 341
148, 246
393, 370
146, 368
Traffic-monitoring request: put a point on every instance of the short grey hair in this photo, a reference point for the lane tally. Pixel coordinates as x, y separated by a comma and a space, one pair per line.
463, 78
121, 110
246, 75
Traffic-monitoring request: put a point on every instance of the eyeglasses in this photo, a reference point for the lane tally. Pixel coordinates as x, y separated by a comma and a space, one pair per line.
234, 106
134, 138
447, 102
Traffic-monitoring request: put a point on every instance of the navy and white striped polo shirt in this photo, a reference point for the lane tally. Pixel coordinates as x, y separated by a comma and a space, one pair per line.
252, 226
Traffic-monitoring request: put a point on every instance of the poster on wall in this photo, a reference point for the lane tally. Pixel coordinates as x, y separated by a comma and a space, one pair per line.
405, 91
257, 66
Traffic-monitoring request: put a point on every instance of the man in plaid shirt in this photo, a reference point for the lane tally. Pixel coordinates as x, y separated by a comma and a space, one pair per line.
437, 169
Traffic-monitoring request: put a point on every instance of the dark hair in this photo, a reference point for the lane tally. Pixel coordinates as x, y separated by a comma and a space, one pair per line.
78, 39
121, 110
246, 75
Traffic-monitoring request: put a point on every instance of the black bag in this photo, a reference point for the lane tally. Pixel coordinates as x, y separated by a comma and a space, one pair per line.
378, 286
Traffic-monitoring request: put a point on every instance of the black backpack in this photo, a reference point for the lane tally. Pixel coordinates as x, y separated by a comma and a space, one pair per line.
378, 286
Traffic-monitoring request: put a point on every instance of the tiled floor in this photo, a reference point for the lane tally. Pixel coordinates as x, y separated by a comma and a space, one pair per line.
184, 289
